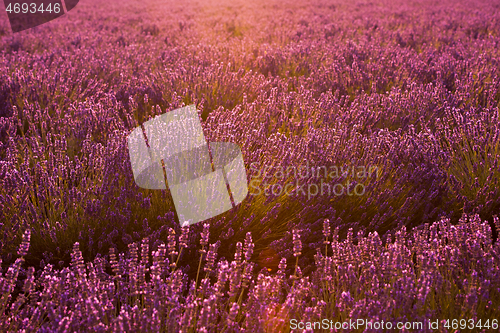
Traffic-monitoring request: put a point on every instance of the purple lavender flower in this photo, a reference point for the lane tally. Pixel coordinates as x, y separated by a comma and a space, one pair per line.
211, 254
326, 230
25, 243
183, 239
238, 253
248, 247
172, 243
297, 244
204, 235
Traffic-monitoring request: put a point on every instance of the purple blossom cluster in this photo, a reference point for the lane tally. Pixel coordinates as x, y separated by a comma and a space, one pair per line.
411, 88
439, 271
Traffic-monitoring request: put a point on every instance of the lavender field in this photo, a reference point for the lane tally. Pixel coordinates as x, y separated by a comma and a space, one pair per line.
407, 89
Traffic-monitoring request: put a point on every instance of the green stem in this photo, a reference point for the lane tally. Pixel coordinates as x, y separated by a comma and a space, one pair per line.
199, 267
295, 272
178, 257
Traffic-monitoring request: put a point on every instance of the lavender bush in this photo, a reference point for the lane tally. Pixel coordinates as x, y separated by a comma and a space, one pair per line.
440, 271
411, 88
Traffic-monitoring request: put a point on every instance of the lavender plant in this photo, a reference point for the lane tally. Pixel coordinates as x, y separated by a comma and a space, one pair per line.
440, 271
411, 88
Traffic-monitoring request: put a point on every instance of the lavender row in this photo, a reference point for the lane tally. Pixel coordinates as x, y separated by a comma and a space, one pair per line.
442, 271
